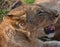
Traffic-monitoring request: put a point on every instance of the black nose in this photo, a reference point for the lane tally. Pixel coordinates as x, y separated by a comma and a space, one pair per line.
57, 15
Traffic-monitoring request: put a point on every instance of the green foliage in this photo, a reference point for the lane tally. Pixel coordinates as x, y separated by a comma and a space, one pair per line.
3, 13
28, 1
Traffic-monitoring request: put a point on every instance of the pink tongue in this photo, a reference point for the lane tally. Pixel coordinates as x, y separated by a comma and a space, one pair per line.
52, 28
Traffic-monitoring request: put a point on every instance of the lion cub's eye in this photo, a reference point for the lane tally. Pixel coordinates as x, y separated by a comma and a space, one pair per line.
16, 17
10, 16
40, 12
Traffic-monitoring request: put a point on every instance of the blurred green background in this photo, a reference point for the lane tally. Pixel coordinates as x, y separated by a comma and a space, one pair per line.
3, 12
28, 1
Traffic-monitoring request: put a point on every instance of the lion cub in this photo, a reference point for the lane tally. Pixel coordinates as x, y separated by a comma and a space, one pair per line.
21, 26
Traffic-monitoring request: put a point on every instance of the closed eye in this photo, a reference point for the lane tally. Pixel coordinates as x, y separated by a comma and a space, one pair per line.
40, 12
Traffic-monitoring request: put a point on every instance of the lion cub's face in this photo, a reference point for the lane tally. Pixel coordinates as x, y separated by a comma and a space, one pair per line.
33, 14
30, 18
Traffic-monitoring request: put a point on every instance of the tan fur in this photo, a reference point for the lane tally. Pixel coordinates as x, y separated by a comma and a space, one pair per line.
21, 26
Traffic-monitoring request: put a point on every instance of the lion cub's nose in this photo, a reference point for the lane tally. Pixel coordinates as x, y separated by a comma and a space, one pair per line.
57, 15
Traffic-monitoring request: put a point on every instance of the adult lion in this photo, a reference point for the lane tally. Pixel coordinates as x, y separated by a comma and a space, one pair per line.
21, 26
